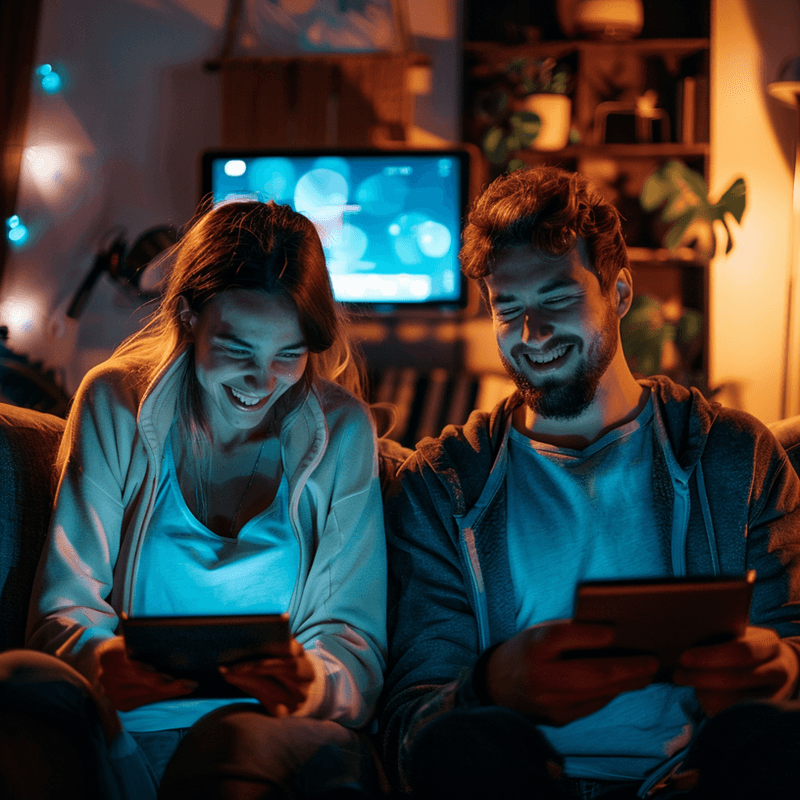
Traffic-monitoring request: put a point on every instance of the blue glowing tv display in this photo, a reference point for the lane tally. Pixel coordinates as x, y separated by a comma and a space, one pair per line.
389, 220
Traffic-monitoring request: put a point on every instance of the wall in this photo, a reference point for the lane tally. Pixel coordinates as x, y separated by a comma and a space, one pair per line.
116, 152
752, 135
139, 108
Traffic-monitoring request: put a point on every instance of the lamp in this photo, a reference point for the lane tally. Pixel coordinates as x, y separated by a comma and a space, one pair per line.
787, 90
787, 87
139, 271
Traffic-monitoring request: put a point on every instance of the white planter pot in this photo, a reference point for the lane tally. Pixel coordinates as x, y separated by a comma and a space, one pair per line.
555, 112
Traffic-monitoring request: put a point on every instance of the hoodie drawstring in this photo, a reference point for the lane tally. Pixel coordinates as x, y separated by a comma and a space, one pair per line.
709, 525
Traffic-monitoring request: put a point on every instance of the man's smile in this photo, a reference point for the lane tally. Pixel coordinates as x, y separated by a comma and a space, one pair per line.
550, 359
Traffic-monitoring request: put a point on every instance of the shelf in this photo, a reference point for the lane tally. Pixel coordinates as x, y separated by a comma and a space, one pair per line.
599, 151
559, 49
683, 256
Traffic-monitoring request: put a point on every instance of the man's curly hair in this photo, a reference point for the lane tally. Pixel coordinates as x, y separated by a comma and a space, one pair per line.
546, 208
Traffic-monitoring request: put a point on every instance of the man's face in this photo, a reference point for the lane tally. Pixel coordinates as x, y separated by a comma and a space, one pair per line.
556, 330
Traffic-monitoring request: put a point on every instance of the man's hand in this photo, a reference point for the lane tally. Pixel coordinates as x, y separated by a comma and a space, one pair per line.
281, 684
129, 684
756, 666
529, 672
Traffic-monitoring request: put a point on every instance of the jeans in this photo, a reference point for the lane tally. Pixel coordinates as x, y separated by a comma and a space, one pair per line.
748, 752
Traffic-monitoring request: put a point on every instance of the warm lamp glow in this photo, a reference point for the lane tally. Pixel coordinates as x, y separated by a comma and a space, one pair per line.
55, 160
20, 312
52, 168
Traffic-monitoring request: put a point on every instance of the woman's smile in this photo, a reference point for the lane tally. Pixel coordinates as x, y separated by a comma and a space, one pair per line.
248, 352
245, 401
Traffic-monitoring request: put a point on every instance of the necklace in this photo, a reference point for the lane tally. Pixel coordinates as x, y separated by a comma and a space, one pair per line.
246, 488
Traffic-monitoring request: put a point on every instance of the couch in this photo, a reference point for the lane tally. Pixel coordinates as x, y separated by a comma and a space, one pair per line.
28, 445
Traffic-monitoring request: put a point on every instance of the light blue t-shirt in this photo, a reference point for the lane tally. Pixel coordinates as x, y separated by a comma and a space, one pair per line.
185, 568
577, 515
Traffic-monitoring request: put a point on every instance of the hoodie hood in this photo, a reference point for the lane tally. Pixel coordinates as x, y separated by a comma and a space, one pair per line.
687, 417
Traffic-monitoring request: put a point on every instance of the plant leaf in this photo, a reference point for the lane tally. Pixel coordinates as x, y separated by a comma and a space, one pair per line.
689, 179
734, 200
729, 245
655, 191
525, 128
675, 234
495, 145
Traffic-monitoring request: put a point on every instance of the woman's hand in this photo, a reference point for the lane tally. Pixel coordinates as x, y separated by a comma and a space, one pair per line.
129, 684
280, 684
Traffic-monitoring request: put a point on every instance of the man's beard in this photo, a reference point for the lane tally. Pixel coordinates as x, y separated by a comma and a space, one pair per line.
569, 397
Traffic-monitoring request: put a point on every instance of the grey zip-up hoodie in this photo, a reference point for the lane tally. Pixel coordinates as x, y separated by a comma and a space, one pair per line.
110, 468
728, 500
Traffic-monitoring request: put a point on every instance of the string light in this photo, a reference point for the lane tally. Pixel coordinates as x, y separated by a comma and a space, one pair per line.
16, 232
50, 81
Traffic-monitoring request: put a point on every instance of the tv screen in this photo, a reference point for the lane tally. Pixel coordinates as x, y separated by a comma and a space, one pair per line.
389, 220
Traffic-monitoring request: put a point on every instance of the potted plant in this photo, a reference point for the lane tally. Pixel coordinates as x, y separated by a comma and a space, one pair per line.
543, 87
660, 336
528, 107
682, 195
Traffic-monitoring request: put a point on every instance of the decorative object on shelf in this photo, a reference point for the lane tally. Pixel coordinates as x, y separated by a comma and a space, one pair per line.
645, 113
297, 27
528, 106
299, 73
682, 195
608, 19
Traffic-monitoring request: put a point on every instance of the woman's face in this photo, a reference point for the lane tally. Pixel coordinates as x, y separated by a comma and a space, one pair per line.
249, 350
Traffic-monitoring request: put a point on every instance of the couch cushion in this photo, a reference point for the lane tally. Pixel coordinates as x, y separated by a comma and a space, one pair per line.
28, 445
787, 432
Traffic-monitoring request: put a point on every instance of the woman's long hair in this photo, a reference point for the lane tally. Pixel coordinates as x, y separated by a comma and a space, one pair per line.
255, 246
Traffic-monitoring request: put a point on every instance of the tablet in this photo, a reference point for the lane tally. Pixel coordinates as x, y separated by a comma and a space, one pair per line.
665, 617
195, 646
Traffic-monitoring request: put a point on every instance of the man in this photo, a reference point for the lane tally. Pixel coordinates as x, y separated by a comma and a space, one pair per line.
583, 474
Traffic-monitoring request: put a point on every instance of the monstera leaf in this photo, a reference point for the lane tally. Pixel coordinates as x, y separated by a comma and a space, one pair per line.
682, 195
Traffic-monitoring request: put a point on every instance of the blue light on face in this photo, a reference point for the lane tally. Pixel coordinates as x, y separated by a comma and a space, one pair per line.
16, 232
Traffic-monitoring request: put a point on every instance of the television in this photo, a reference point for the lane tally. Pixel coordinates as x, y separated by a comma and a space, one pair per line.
389, 220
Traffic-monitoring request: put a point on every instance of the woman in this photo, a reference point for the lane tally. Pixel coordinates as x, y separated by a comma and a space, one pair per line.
213, 465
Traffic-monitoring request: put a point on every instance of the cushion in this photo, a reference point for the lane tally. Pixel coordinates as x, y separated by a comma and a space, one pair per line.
28, 446
787, 432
